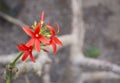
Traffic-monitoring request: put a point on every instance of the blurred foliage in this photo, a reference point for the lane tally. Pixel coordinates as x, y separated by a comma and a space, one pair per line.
16, 10
4, 7
92, 52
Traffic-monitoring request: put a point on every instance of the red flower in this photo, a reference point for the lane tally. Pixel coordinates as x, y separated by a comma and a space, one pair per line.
42, 18
36, 37
27, 51
53, 39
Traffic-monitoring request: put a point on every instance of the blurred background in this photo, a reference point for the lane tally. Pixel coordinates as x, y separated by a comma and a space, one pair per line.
102, 31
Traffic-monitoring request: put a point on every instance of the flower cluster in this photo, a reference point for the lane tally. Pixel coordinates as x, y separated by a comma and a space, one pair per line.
42, 35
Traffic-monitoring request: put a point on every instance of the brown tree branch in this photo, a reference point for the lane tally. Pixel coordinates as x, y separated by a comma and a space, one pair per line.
72, 71
90, 76
78, 29
12, 20
46, 71
99, 64
26, 79
33, 67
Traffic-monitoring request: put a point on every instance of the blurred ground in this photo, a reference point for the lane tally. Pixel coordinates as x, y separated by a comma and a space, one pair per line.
102, 23
102, 18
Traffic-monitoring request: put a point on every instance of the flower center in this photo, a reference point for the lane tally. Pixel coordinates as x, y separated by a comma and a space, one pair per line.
37, 35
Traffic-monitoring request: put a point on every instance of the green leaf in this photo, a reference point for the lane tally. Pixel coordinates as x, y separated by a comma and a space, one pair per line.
92, 52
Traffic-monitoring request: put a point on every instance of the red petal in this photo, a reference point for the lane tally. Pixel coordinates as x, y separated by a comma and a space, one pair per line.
57, 41
37, 30
58, 28
25, 56
28, 31
42, 17
30, 42
32, 58
22, 47
51, 29
43, 39
31, 47
37, 45
54, 47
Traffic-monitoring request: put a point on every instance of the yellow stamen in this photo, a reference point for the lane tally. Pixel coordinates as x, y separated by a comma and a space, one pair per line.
37, 35
48, 35
41, 22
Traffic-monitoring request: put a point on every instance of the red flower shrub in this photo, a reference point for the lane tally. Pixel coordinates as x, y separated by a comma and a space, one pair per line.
42, 35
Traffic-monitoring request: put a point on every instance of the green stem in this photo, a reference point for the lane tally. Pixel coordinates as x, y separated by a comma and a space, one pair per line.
9, 76
9, 72
8, 81
16, 59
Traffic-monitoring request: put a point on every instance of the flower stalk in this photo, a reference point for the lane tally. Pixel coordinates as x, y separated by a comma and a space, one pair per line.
10, 69
41, 36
